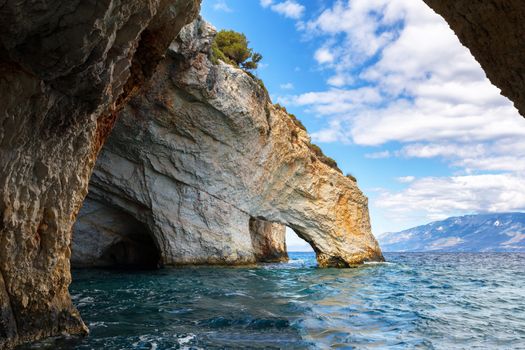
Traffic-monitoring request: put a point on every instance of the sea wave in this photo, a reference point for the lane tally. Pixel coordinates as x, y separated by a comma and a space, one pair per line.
436, 301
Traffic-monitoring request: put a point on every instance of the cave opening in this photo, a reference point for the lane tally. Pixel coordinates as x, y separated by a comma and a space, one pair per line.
275, 242
133, 252
299, 249
106, 237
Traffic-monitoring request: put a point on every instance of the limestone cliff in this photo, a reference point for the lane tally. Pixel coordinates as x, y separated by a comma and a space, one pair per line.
109, 235
269, 241
494, 31
203, 151
66, 67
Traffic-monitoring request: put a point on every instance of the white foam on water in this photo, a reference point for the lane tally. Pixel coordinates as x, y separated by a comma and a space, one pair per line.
143, 340
185, 340
85, 301
98, 324
378, 263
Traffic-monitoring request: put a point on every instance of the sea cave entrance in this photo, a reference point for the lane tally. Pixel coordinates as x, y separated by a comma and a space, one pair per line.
272, 242
107, 237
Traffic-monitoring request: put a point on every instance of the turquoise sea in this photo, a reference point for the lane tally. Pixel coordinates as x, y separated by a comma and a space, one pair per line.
414, 301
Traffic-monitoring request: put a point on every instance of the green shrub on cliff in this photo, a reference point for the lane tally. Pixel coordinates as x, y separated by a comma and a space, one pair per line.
351, 177
258, 80
232, 47
323, 158
295, 120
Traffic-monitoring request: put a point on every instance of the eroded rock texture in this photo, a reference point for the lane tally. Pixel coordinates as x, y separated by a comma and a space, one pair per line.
269, 241
107, 237
66, 67
203, 151
494, 31
111, 235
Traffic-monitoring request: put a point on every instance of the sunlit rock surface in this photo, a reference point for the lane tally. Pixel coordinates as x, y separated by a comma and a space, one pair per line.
66, 67
203, 151
119, 235
493, 30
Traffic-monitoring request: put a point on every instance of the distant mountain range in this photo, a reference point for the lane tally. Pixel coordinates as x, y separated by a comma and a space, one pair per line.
471, 233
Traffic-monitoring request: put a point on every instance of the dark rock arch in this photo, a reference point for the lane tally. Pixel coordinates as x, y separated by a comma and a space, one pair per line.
494, 31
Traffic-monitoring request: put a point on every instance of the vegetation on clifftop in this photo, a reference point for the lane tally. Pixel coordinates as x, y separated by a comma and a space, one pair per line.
296, 121
313, 147
351, 177
324, 158
232, 47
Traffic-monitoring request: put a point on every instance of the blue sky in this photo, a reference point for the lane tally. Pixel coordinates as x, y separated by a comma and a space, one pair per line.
386, 89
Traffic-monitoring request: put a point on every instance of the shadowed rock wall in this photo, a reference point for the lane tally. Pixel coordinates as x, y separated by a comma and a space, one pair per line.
494, 31
66, 68
269, 241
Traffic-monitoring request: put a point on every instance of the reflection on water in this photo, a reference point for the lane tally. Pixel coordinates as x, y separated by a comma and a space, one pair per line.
416, 301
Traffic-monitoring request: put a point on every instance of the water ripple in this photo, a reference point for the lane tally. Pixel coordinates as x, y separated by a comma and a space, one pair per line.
415, 301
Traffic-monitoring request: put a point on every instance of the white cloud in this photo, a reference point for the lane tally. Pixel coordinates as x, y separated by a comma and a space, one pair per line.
325, 135
340, 80
433, 120
503, 154
406, 179
438, 197
417, 150
378, 155
289, 8
424, 96
333, 101
329, 134
323, 55
419, 88
287, 86
221, 5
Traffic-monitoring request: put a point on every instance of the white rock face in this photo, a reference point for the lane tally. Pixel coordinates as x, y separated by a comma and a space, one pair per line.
187, 225
203, 150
